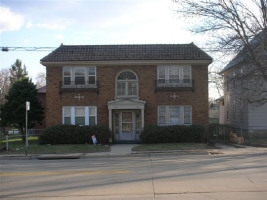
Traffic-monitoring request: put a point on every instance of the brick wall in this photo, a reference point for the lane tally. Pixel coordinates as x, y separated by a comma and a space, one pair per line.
147, 76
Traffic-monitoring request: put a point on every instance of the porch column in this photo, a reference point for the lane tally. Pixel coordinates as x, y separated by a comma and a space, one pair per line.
143, 118
110, 119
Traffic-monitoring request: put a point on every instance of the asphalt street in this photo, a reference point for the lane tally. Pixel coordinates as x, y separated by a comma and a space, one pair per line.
143, 176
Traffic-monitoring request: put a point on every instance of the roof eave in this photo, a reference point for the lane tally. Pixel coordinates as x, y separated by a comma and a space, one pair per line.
126, 62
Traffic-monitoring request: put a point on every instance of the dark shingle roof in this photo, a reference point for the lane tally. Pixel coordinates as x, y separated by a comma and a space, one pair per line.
66, 53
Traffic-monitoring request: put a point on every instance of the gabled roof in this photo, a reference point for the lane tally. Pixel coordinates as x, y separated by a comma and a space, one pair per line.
42, 89
143, 52
244, 54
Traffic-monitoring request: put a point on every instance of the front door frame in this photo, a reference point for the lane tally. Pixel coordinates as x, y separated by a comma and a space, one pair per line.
125, 104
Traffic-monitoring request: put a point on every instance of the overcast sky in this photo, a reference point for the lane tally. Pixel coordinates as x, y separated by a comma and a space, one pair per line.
48, 23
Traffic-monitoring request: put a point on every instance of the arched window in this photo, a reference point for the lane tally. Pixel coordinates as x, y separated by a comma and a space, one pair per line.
126, 84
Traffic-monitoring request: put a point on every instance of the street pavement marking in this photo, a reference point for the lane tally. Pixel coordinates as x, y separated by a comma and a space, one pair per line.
60, 173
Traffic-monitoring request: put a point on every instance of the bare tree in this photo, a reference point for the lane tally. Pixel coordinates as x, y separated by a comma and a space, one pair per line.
234, 27
40, 79
4, 84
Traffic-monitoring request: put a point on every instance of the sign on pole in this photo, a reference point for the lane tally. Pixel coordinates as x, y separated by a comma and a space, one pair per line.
26, 124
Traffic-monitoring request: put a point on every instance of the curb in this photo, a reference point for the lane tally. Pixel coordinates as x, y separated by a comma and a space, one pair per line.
98, 155
57, 157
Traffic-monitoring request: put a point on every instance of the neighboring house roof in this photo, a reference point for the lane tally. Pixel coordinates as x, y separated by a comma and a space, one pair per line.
42, 89
244, 54
70, 53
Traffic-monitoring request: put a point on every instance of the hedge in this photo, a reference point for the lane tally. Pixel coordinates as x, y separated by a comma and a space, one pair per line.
172, 134
73, 134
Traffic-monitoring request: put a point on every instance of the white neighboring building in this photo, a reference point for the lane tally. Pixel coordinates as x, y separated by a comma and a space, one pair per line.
240, 90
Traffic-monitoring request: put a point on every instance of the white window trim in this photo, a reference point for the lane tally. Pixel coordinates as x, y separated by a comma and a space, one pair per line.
167, 75
126, 86
86, 74
167, 114
87, 114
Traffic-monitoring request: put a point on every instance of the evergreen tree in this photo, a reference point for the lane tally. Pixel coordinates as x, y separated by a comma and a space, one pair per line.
13, 112
17, 72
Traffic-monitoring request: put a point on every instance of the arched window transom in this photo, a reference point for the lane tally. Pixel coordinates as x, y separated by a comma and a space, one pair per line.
126, 85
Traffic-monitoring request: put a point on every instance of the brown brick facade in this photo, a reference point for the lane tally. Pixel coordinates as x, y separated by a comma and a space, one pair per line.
147, 75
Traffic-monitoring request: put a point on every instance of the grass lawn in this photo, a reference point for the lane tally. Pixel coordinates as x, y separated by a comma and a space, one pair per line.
171, 146
16, 146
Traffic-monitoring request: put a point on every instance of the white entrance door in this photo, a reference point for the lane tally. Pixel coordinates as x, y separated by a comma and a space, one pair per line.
127, 125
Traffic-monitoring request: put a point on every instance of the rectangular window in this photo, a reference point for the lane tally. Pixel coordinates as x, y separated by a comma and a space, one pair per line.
174, 115
187, 115
92, 116
132, 88
79, 76
80, 115
85, 76
186, 75
91, 76
162, 115
66, 76
121, 89
67, 115
161, 75
174, 76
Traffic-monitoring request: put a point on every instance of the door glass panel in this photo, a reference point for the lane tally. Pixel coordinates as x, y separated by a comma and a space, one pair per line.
117, 123
127, 117
138, 123
127, 126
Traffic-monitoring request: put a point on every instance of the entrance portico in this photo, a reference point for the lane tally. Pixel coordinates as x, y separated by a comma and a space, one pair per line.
126, 118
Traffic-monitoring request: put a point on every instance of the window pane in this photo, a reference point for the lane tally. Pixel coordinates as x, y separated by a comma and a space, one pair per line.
67, 112
187, 74
79, 80
91, 75
91, 80
80, 115
162, 115
161, 73
92, 120
187, 115
92, 111
80, 120
174, 72
66, 71
67, 81
127, 76
132, 89
79, 76
91, 71
174, 120
162, 120
67, 120
79, 111
66, 76
174, 115
67, 115
121, 89
79, 71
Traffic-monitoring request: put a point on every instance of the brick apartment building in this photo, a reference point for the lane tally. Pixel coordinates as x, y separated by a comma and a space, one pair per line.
126, 87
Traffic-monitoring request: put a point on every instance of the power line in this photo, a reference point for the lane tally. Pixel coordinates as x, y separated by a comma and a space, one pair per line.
6, 49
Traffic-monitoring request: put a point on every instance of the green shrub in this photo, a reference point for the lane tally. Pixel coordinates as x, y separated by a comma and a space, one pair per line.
172, 134
72, 134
